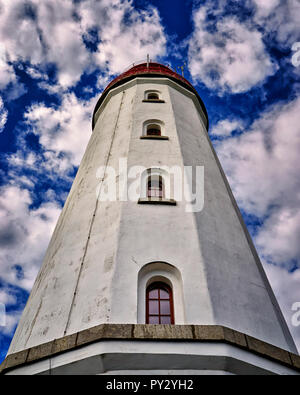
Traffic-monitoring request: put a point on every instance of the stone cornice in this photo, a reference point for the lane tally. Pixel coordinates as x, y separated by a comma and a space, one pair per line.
196, 333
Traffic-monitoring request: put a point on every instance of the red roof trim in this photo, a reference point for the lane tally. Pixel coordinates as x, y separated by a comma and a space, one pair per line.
154, 70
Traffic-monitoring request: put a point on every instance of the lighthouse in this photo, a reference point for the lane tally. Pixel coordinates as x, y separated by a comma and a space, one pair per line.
151, 269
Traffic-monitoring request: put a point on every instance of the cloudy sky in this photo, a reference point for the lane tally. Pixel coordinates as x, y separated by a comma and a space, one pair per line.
56, 56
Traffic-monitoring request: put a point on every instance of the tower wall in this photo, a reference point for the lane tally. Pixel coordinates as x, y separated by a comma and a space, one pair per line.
240, 292
158, 233
83, 243
103, 254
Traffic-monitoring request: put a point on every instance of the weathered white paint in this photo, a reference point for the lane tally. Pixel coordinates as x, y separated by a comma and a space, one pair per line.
90, 271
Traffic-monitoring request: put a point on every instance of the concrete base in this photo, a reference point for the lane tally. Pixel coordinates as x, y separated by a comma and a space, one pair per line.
153, 349
152, 357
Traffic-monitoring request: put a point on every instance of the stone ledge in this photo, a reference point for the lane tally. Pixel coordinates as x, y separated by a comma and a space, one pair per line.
268, 350
208, 332
65, 343
162, 332
40, 351
200, 333
104, 331
18, 358
235, 337
295, 360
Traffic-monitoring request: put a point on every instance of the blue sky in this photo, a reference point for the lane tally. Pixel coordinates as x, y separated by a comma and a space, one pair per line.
56, 57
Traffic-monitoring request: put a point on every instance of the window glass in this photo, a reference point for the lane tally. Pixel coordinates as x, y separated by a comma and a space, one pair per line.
155, 186
165, 320
153, 319
153, 130
165, 307
159, 304
153, 294
153, 307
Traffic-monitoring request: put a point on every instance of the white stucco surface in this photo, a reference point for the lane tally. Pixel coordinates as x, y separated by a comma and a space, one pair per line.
91, 269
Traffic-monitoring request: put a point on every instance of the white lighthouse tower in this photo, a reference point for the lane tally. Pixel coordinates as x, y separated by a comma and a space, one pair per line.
138, 279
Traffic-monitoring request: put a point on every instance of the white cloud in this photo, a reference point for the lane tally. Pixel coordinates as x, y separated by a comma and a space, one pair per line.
53, 32
286, 289
7, 73
265, 7
63, 133
263, 169
46, 33
123, 42
262, 163
15, 91
280, 19
11, 320
65, 129
7, 297
25, 231
22, 160
278, 240
35, 73
3, 115
226, 126
24, 236
230, 57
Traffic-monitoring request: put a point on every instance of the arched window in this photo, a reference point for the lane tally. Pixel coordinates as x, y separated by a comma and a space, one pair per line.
154, 273
153, 130
155, 186
152, 96
159, 304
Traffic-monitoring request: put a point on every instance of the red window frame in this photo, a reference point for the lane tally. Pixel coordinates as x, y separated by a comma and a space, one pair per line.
166, 288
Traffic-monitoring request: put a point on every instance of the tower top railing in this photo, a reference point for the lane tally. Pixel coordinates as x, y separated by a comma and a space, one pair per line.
138, 62
147, 66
